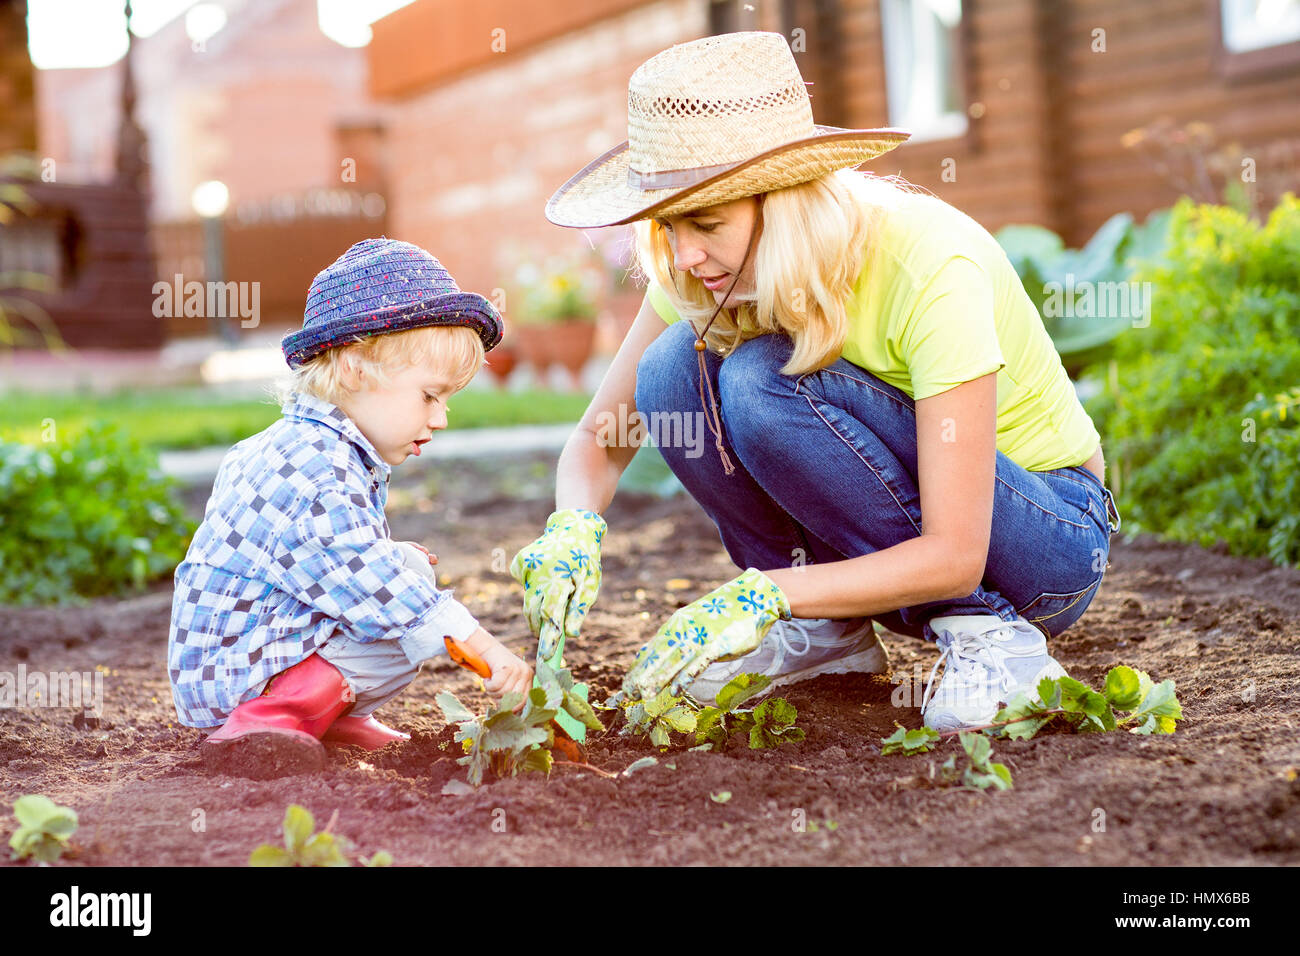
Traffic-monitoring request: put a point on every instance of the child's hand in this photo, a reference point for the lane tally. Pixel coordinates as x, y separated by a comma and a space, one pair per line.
433, 558
509, 672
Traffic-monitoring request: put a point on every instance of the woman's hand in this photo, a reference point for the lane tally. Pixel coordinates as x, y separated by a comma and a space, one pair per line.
560, 572
726, 623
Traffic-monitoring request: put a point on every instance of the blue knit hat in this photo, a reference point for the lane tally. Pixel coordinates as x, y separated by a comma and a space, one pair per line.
383, 285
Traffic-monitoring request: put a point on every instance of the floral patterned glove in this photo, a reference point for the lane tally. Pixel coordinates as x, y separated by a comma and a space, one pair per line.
560, 572
726, 623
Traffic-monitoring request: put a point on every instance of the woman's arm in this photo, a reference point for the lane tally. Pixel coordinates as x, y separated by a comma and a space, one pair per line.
592, 461
956, 434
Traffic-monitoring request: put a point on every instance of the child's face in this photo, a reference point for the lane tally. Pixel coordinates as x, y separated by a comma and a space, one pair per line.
400, 417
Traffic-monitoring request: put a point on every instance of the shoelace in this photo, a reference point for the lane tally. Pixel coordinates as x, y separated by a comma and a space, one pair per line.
793, 624
966, 654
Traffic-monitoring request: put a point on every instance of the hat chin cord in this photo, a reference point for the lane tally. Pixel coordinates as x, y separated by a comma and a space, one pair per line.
710, 403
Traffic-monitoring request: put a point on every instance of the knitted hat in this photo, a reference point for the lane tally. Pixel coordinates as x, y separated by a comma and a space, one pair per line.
708, 122
383, 285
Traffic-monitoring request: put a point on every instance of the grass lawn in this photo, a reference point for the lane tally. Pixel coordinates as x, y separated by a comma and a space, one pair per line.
196, 417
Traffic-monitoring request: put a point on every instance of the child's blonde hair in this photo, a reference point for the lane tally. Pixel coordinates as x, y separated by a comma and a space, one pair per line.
811, 250
456, 350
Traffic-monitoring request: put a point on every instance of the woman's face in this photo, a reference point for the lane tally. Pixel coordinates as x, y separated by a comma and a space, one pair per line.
710, 244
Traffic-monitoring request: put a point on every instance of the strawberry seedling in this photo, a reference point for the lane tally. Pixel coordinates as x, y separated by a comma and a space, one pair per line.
768, 725
1129, 699
511, 743
302, 847
44, 828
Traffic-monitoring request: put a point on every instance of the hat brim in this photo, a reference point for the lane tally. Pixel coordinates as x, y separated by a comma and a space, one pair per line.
468, 309
600, 194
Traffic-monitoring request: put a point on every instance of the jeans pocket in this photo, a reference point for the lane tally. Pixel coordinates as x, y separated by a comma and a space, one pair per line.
1109, 512
1056, 612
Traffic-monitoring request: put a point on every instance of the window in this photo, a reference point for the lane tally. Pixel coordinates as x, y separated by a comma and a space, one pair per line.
1255, 24
1256, 38
923, 74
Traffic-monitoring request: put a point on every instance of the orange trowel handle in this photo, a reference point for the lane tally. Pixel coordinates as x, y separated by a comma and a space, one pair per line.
462, 655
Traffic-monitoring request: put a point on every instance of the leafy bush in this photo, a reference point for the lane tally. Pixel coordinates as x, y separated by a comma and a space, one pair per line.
88, 516
1196, 417
1064, 284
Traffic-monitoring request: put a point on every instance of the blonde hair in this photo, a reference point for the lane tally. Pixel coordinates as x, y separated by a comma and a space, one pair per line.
812, 247
454, 349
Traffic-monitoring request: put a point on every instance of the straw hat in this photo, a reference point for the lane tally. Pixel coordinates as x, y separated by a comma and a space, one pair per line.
708, 122
380, 286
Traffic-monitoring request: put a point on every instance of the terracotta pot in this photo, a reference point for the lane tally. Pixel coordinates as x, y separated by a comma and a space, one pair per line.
501, 361
570, 344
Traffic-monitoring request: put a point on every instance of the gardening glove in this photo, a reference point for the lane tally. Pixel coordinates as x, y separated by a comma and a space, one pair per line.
726, 623
560, 572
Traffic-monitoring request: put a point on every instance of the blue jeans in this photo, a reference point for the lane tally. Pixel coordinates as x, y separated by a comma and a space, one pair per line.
826, 470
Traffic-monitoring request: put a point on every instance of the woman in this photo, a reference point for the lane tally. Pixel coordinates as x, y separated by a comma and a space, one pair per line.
862, 355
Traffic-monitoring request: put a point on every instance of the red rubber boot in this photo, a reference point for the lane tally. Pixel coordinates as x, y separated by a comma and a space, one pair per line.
365, 732
279, 732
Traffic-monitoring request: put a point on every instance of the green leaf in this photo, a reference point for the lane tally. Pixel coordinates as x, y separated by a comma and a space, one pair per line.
1123, 688
538, 759
452, 708
740, 689
506, 731
33, 810
659, 736
510, 701
267, 855
1162, 701
382, 858
641, 764
681, 719
776, 715
909, 741
722, 796
322, 850
660, 703
579, 709
298, 825
977, 747
1024, 710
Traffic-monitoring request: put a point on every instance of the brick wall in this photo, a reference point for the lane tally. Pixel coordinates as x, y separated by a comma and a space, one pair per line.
473, 161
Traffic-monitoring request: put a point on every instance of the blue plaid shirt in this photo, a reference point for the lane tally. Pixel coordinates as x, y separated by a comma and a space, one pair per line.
294, 550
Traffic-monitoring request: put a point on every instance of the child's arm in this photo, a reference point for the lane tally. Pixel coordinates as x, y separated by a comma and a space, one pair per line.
338, 559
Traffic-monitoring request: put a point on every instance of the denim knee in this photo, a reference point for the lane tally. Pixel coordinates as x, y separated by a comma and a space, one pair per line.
748, 375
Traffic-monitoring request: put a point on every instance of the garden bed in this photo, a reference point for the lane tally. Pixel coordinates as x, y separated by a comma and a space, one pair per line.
1222, 790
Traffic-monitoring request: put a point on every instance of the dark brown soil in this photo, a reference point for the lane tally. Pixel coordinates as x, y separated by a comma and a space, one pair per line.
1223, 790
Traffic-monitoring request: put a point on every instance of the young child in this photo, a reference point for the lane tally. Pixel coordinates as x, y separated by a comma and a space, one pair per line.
295, 613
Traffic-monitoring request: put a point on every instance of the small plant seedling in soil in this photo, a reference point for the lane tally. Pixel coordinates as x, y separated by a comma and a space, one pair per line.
511, 743
1128, 699
768, 725
302, 847
43, 831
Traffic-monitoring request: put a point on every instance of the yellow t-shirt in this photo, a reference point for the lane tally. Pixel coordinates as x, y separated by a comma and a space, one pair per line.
938, 304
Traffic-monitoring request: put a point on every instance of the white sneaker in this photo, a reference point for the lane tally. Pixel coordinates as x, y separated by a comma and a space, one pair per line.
799, 649
989, 661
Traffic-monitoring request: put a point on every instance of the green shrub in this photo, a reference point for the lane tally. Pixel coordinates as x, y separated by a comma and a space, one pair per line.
1198, 418
1059, 281
88, 516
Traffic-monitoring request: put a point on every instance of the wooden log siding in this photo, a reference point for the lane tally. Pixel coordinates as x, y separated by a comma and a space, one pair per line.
1047, 149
